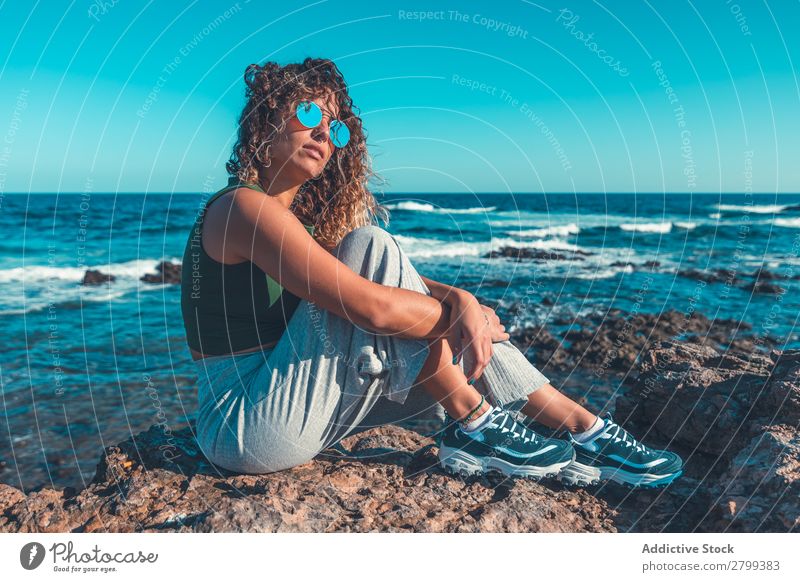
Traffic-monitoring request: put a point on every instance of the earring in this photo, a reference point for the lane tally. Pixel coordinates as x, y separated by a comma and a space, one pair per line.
267, 165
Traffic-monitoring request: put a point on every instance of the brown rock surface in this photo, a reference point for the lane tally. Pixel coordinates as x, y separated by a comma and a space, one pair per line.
696, 396
613, 342
760, 491
95, 277
525, 253
733, 416
166, 273
388, 481
728, 407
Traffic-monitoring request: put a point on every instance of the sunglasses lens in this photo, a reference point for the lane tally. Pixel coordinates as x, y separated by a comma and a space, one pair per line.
340, 135
309, 114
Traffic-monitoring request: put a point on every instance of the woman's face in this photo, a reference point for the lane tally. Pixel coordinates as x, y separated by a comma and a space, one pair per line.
302, 152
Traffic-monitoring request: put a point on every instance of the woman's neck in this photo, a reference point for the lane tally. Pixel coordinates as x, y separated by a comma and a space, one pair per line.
282, 190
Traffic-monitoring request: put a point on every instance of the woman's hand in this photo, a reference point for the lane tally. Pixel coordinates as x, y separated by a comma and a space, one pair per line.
473, 328
497, 329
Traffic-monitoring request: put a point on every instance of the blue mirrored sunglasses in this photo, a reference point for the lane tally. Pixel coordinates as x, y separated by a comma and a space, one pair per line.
310, 115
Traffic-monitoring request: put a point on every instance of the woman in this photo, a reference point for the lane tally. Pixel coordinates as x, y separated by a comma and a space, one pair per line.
308, 323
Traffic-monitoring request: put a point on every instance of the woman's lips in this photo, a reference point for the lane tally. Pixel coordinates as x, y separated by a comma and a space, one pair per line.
314, 152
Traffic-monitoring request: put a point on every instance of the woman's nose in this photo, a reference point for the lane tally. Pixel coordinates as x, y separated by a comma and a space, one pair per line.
322, 130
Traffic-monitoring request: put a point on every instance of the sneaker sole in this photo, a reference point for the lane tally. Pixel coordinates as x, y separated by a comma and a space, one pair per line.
458, 462
580, 474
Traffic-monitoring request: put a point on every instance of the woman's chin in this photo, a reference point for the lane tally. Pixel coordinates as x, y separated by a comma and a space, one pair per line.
314, 169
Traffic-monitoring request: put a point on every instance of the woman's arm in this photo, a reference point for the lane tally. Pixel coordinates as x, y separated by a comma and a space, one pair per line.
445, 293
463, 307
260, 229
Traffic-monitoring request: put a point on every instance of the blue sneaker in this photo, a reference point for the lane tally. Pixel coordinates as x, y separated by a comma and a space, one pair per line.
504, 445
614, 454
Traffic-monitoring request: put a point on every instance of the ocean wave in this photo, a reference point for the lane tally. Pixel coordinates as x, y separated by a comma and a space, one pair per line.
426, 207
601, 273
416, 247
32, 274
787, 222
560, 230
754, 208
651, 227
685, 225
65, 299
551, 244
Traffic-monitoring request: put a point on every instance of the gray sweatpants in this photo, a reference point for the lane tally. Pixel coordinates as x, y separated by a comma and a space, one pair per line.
327, 378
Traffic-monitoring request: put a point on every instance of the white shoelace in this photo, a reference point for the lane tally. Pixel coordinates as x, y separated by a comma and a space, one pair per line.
625, 437
516, 429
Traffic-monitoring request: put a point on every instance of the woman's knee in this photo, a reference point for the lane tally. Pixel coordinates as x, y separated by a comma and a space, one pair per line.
360, 242
363, 236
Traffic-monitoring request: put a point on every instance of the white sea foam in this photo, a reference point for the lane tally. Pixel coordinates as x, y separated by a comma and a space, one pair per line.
549, 244
653, 227
409, 205
754, 208
32, 274
426, 207
606, 273
685, 225
787, 222
416, 247
559, 230
34, 288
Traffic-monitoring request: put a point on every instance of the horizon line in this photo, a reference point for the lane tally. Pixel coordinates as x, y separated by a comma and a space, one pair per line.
193, 193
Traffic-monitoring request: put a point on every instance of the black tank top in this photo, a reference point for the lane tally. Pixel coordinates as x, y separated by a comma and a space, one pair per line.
230, 308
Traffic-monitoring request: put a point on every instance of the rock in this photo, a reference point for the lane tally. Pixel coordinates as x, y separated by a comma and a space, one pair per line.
94, 277
761, 488
386, 480
764, 287
716, 276
694, 395
764, 275
520, 254
734, 415
780, 399
646, 265
612, 342
167, 273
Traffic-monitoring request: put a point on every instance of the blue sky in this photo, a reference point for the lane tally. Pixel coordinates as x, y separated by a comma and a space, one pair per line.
124, 96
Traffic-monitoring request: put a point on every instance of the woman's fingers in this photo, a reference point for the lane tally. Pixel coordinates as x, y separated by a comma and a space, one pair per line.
498, 330
487, 354
474, 359
455, 342
482, 354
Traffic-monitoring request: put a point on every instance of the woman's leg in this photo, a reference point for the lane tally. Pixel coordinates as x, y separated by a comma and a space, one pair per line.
440, 386
551, 408
545, 404
324, 375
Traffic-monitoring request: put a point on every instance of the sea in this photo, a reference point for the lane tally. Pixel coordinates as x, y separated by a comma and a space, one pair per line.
83, 368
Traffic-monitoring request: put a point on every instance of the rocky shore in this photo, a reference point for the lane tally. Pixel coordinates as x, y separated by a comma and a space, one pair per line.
733, 417
387, 481
722, 396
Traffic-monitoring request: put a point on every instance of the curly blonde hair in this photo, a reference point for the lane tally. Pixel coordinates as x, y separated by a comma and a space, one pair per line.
338, 200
